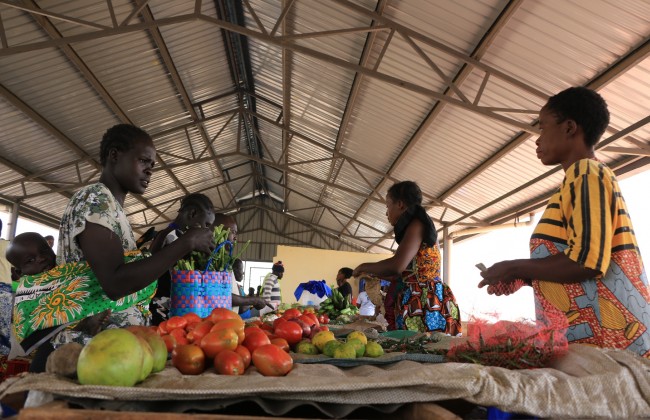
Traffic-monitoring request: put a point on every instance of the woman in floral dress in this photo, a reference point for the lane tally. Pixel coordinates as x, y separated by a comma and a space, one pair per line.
423, 302
95, 230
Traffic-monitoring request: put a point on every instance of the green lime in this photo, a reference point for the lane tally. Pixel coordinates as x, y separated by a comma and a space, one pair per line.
374, 349
345, 351
359, 346
330, 346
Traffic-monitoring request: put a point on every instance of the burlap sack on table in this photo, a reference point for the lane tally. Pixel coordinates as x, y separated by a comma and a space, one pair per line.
587, 382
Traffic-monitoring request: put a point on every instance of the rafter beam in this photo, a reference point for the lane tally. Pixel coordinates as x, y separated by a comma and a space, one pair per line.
631, 59
349, 106
462, 75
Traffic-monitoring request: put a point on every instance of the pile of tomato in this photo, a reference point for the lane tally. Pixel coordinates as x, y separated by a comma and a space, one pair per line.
224, 341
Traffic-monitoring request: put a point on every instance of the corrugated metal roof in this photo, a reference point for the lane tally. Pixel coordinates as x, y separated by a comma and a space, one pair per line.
300, 119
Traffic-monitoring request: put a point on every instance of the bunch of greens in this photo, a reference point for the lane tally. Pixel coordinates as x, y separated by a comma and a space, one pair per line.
415, 344
219, 260
509, 353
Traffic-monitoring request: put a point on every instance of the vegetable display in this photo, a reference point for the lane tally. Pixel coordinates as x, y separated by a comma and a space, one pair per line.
338, 307
220, 260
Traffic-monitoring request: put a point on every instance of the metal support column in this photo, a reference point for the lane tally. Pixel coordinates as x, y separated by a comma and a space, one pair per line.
14, 220
446, 259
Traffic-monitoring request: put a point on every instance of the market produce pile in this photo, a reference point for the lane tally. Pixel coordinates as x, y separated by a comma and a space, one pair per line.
127, 356
223, 343
338, 308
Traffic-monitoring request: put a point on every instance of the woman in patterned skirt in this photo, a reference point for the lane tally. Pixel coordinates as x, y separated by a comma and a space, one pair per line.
424, 302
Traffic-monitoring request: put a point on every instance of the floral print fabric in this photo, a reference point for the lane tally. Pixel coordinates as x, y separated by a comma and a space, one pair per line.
67, 294
424, 302
95, 204
5, 318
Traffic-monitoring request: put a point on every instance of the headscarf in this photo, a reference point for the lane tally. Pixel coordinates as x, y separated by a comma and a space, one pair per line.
416, 212
278, 267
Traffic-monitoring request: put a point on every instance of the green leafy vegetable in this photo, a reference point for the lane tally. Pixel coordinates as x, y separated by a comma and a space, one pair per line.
220, 260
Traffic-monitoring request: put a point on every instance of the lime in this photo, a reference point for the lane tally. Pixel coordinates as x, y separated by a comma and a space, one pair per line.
305, 347
374, 349
345, 351
321, 338
359, 347
359, 335
330, 346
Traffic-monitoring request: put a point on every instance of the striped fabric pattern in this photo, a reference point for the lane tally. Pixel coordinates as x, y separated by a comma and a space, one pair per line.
588, 221
271, 290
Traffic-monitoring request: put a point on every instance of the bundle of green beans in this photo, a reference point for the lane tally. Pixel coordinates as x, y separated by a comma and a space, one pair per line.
221, 260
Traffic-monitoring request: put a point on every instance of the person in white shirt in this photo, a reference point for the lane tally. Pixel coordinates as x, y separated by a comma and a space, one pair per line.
366, 308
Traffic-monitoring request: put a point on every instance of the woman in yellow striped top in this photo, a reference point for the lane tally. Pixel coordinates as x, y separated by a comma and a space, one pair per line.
585, 261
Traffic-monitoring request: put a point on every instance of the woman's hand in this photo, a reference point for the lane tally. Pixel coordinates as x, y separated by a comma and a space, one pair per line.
503, 279
503, 271
358, 271
199, 239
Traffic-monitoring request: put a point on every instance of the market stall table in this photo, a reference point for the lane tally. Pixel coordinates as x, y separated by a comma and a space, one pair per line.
587, 382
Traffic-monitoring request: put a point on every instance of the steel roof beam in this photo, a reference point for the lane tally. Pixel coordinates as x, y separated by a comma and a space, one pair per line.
462, 75
314, 53
602, 144
180, 88
350, 104
635, 56
632, 58
89, 76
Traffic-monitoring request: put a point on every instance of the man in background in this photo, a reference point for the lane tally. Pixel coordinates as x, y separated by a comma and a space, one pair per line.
241, 303
344, 286
271, 290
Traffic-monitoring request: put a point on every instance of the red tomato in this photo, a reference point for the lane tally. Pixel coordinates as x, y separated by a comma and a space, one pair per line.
191, 325
245, 355
215, 342
290, 331
176, 322
189, 359
281, 342
278, 321
256, 323
324, 328
192, 317
162, 328
248, 330
218, 314
266, 327
177, 333
234, 324
291, 313
323, 319
271, 360
254, 339
170, 342
309, 319
229, 362
199, 331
